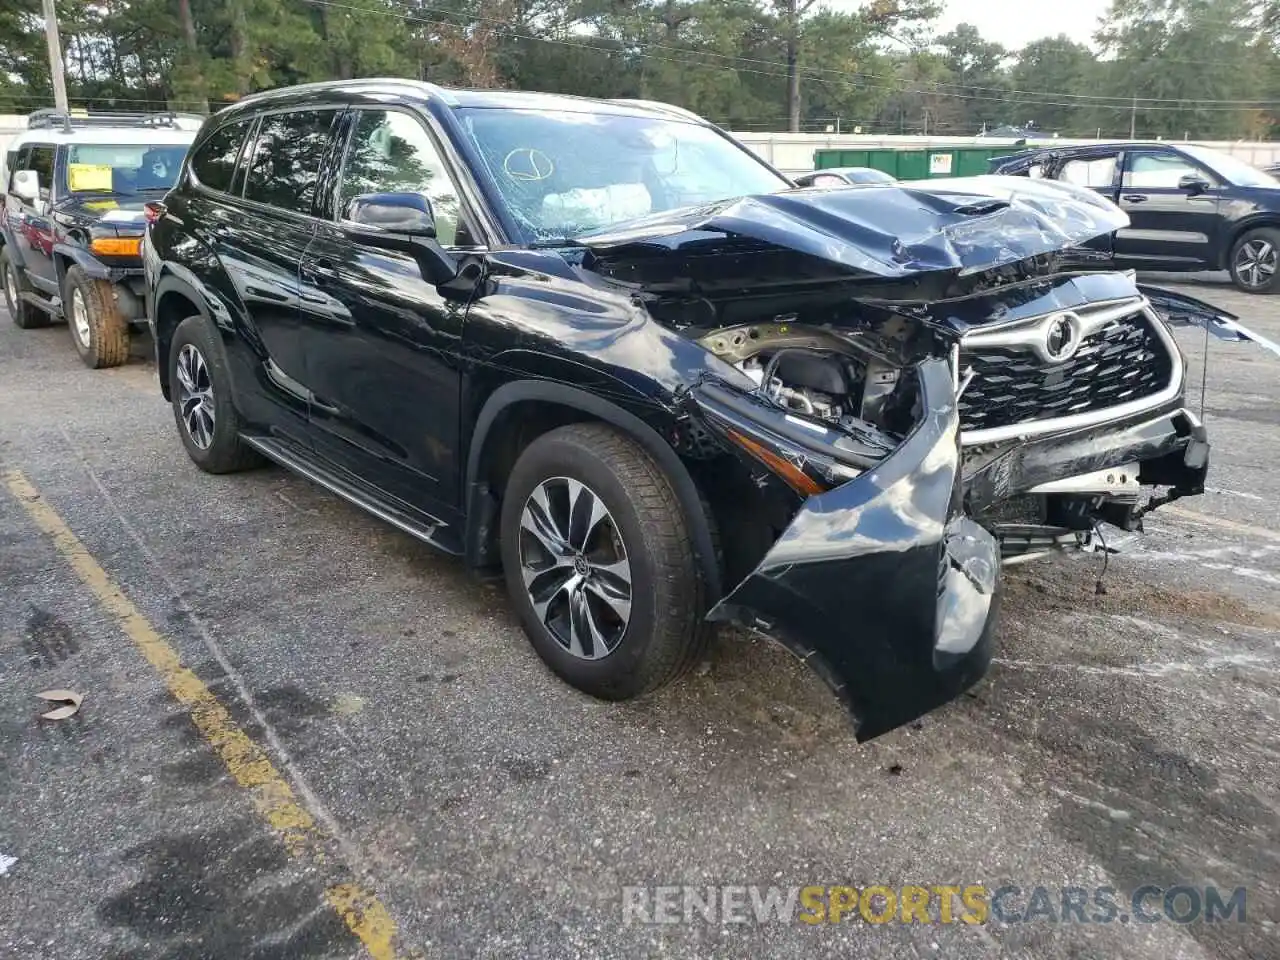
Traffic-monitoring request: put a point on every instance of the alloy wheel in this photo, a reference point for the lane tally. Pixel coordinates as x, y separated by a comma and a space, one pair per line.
80, 317
195, 396
575, 567
1256, 263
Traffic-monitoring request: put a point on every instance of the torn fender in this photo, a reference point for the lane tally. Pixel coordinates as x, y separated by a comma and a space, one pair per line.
882, 584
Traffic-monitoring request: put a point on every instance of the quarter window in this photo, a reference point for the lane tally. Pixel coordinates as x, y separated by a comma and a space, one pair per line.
391, 152
286, 159
215, 161
1155, 171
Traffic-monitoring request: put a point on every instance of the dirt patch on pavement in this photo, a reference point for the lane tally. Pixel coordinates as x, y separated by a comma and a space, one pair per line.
1072, 587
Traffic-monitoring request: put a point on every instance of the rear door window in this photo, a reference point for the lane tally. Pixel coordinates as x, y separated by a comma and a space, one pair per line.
1158, 171
286, 158
215, 162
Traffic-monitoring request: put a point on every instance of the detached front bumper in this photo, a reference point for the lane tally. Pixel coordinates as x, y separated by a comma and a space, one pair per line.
882, 584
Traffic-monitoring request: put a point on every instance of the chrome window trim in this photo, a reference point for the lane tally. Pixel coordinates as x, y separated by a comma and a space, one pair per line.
1029, 331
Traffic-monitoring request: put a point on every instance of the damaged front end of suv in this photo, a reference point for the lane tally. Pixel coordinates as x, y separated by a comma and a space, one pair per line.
914, 385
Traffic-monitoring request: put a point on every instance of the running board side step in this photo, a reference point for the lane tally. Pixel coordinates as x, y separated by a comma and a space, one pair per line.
422, 526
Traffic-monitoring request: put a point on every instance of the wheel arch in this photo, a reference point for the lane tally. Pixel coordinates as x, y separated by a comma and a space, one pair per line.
1238, 230
173, 302
517, 413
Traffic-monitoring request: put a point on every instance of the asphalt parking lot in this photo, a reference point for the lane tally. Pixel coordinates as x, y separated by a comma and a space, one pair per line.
450, 797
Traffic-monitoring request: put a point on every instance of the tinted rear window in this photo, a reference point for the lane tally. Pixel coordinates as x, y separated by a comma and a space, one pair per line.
286, 159
215, 162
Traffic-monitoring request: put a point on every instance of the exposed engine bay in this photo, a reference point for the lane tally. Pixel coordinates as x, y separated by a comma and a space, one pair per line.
822, 375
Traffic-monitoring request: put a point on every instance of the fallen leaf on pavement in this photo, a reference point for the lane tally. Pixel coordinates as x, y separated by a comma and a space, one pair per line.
69, 697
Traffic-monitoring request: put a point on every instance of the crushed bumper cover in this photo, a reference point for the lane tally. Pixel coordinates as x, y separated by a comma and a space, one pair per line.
1171, 445
882, 584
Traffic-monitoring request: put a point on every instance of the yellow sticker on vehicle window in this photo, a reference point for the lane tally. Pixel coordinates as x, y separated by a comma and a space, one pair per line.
89, 176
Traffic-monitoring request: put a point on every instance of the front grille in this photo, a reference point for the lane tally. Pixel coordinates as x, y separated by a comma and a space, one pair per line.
1124, 361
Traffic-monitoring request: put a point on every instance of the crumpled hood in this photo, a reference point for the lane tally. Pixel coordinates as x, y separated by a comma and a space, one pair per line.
964, 225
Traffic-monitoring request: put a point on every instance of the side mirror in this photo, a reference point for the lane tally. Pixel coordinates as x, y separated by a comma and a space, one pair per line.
407, 214
403, 222
26, 185
1193, 183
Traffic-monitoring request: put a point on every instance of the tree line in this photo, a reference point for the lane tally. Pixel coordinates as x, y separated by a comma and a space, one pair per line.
1207, 69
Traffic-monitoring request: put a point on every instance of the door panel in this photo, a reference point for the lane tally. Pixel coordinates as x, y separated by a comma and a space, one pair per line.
382, 364
33, 229
1166, 222
259, 252
382, 342
260, 242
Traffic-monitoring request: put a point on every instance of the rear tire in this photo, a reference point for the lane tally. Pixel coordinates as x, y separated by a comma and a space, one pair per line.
24, 314
203, 409
1255, 261
98, 328
614, 605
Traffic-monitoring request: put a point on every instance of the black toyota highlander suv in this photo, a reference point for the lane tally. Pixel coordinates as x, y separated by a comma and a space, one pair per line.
603, 348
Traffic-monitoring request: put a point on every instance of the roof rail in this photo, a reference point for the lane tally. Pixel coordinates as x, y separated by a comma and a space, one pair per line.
68, 120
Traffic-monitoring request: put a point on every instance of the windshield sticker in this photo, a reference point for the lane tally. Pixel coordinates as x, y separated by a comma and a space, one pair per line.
88, 176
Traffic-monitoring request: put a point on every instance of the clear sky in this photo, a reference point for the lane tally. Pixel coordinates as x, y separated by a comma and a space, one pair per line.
1015, 23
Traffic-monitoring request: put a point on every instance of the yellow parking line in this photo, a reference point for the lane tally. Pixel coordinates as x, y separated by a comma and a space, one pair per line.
247, 763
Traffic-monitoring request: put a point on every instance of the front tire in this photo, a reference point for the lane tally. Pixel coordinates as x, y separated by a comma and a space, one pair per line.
98, 328
599, 562
1255, 261
24, 314
200, 387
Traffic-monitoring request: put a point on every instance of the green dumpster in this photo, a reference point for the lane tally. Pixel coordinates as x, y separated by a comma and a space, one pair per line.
913, 164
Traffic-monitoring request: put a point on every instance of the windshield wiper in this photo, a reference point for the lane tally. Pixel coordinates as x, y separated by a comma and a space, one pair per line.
550, 243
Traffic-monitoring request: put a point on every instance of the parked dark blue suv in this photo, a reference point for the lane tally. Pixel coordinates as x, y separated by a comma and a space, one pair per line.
1189, 207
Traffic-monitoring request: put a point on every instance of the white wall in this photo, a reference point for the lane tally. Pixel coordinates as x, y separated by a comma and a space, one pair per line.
793, 152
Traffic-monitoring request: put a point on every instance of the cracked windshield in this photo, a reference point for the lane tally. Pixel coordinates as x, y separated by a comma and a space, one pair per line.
563, 174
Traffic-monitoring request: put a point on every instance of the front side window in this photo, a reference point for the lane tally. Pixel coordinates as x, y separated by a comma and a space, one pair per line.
1232, 169
286, 159
563, 173
1097, 172
40, 159
214, 163
123, 167
391, 152
1158, 171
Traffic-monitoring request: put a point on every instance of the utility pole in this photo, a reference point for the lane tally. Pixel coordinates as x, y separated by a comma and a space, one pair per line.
55, 55
1133, 120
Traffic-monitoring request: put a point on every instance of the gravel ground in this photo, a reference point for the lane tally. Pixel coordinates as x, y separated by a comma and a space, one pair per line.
1120, 739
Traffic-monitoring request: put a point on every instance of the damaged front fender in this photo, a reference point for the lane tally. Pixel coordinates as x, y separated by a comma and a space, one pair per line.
882, 584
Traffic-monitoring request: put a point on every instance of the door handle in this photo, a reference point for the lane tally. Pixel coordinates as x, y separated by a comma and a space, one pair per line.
1136, 197
321, 271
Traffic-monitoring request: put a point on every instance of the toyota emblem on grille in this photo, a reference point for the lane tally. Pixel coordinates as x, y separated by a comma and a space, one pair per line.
1061, 337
